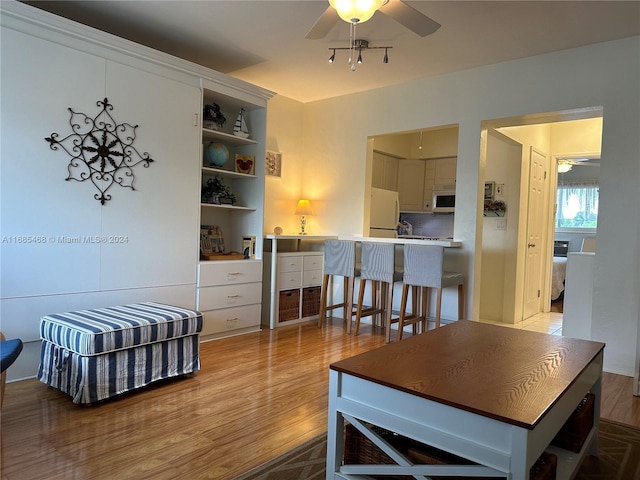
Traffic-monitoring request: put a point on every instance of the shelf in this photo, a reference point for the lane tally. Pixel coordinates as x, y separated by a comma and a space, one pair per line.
569, 462
211, 172
226, 138
228, 207
494, 213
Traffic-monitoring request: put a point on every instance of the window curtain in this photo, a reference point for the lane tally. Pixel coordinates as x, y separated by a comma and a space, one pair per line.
577, 204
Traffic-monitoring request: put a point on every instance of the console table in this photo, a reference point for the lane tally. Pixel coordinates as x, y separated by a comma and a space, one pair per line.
493, 395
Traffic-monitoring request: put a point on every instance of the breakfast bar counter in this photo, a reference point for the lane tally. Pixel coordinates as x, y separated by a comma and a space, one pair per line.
494, 396
449, 243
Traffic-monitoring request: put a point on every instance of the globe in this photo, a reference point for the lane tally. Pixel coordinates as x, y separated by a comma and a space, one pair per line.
216, 154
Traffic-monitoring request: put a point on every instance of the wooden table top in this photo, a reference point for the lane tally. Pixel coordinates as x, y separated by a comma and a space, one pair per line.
511, 375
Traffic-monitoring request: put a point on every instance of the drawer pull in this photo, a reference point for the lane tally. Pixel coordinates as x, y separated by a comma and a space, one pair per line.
233, 296
231, 322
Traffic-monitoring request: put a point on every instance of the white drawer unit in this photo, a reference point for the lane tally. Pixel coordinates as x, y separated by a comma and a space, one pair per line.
312, 278
295, 273
224, 296
289, 280
312, 261
224, 273
228, 321
289, 262
229, 294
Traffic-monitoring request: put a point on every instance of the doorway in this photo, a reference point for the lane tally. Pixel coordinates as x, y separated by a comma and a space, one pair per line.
512, 146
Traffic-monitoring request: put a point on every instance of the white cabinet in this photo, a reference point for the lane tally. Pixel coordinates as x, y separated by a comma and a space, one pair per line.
429, 181
292, 279
437, 171
244, 217
229, 295
229, 292
384, 171
445, 170
298, 279
411, 184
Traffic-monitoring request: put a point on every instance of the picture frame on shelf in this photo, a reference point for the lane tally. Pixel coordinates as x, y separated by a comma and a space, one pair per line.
245, 164
211, 240
273, 164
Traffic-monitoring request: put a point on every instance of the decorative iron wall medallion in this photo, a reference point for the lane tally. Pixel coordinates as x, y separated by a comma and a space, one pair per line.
101, 150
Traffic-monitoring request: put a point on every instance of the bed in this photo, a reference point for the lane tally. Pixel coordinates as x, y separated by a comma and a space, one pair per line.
557, 279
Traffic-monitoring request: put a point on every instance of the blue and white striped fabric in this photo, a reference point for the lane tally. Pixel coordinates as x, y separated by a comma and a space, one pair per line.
101, 330
89, 379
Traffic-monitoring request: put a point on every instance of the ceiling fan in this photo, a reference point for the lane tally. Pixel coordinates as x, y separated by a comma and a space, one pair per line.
402, 13
565, 164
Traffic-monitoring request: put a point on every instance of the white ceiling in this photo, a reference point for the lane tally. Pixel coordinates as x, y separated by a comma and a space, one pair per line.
263, 42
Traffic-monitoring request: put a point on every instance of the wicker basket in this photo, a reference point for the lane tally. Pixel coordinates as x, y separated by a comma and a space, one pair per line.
289, 305
576, 429
358, 450
310, 301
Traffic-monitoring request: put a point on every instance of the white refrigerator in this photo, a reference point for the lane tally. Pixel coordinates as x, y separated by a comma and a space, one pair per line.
385, 213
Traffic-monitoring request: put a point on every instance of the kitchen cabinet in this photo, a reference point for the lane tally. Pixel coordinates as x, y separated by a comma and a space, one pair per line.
384, 171
411, 184
445, 170
429, 181
437, 172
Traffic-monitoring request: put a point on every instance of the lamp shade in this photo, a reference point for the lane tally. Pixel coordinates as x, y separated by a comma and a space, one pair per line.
356, 11
303, 208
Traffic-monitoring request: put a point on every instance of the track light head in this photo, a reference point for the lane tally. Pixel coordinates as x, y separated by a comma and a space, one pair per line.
333, 56
386, 56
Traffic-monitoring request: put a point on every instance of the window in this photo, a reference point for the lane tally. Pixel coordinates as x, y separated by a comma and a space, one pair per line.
577, 206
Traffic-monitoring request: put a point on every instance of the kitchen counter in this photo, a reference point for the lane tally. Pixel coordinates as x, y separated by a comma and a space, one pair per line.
413, 239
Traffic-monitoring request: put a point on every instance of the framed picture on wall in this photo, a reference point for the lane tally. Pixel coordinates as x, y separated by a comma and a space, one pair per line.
273, 164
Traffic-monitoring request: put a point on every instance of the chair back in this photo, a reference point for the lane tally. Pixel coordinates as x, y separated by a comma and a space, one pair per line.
339, 257
377, 262
423, 265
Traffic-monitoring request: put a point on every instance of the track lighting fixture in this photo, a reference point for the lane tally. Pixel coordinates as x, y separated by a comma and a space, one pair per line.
358, 46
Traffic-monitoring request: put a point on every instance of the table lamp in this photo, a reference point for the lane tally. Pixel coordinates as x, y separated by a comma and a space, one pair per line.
303, 208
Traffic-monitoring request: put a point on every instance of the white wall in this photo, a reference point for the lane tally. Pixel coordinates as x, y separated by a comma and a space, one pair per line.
603, 75
498, 292
285, 135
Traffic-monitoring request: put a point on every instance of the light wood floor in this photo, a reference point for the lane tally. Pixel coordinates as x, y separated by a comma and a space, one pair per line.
257, 396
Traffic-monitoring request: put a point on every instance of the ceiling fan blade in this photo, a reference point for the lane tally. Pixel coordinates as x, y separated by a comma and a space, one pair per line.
584, 164
323, 25
411, 18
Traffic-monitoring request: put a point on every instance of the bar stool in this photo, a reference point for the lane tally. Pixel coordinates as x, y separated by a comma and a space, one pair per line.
339, 260
377, 265
424, 269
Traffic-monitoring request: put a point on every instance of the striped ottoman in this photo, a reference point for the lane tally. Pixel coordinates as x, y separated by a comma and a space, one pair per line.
97, 354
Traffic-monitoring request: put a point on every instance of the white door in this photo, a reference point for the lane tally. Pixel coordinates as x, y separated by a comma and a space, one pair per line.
535, 218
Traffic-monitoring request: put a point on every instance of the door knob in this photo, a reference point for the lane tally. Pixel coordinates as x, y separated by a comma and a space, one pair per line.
531, 245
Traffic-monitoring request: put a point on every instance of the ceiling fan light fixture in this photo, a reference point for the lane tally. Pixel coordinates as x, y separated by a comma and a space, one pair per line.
564, 166
356, 11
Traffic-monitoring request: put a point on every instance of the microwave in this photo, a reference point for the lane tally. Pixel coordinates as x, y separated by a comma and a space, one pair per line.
444, 199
